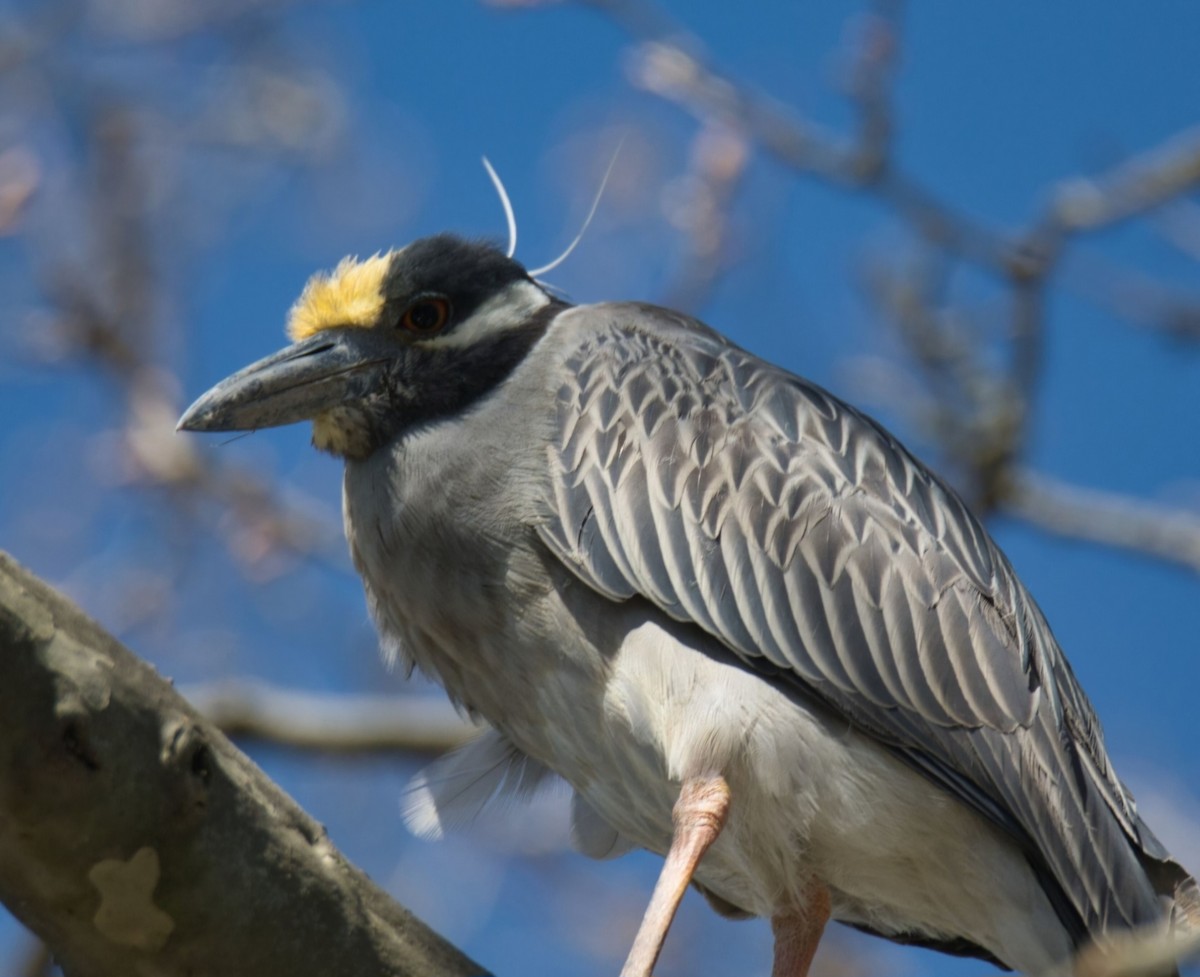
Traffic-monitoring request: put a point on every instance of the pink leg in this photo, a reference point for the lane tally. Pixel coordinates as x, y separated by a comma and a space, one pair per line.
698, 817
797, 935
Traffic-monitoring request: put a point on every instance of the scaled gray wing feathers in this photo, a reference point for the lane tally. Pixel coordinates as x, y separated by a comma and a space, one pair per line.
737, 496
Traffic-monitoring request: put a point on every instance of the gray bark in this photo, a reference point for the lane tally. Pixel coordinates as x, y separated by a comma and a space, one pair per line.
136, 839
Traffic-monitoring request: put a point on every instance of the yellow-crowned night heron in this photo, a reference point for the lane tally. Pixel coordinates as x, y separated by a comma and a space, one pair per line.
751, 630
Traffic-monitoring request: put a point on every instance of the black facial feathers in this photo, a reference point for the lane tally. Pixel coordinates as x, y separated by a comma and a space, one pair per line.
468, 273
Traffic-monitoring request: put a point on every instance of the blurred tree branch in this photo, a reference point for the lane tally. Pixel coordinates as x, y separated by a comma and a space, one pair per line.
133, 835
1107, 518
328, 723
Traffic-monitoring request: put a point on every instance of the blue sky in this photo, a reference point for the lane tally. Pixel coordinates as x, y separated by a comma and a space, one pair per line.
995, 104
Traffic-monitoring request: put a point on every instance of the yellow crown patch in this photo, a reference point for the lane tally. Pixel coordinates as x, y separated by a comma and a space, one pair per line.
350, 295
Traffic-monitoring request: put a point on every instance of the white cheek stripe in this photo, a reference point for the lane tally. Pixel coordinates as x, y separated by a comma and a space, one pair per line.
509, 309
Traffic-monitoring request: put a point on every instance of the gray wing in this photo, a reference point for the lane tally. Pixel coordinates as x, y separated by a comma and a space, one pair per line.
739, 497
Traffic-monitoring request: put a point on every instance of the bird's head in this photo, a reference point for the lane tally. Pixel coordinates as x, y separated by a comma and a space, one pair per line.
383, 344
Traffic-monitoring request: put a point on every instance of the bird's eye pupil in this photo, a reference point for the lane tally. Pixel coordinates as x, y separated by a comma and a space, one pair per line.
426, 316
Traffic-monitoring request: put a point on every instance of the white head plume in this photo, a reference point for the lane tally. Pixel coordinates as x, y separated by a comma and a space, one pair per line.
535, 272
508, 209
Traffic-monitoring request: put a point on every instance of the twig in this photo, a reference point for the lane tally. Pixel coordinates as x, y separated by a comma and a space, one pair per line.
327, 723
668, 64
701, 211
1104, 517
1135, 187
1136, 297
1179, 224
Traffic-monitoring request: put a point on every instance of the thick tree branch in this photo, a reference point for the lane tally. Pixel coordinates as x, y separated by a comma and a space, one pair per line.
135, 838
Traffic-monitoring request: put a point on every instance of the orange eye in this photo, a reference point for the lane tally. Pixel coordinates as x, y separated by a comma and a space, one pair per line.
426, 316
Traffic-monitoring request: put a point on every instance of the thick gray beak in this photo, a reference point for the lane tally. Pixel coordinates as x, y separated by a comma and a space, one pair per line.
295, 384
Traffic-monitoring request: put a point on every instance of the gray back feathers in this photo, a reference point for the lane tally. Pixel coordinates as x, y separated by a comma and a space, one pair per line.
743, 499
